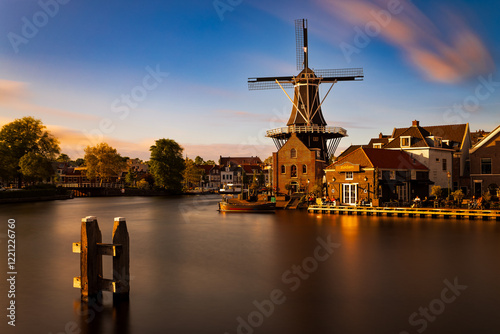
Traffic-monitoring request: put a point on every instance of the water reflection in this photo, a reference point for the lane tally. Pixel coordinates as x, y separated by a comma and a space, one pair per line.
102, 314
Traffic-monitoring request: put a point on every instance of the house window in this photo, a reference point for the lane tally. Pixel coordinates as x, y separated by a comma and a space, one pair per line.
349, 175
392, 174
294, 171
283, 169
377, 145
293, 153
406, 141
485, 165
315, 138
444, 165
304, 169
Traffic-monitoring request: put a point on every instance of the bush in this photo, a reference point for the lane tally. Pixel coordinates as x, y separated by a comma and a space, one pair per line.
436, 191
143, 184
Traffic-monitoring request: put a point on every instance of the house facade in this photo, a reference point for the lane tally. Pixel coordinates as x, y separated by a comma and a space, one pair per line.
377, 176
485, 164
444, 149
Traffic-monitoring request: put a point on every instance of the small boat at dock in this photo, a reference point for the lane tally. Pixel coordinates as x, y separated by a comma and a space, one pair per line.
234, 205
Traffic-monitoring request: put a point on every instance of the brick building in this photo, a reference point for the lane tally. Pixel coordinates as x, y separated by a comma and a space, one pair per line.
296, 165
378, 176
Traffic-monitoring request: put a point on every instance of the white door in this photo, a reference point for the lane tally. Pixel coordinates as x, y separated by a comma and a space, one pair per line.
349, 193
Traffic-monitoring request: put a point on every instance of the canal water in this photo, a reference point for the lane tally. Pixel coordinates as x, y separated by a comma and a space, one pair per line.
195, 270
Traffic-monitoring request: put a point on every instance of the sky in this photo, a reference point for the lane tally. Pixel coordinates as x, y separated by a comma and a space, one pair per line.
132, 72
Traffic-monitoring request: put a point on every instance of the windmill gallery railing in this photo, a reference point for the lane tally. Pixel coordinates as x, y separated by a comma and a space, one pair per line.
306, 129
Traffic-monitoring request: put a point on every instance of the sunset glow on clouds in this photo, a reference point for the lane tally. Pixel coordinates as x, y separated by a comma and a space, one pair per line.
447, 52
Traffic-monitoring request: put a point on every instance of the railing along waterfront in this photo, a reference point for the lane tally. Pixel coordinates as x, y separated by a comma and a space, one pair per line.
306, 129
407, 212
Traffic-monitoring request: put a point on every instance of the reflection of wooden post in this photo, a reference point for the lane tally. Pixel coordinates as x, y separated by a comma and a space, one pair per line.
91, 249
121, 261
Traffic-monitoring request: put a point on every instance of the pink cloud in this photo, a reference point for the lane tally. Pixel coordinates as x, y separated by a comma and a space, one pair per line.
446, 52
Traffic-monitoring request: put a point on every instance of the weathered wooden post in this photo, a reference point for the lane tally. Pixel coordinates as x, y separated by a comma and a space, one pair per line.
91, 249
121, 261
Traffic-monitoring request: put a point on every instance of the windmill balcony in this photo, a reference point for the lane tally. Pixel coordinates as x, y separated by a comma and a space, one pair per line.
287, 130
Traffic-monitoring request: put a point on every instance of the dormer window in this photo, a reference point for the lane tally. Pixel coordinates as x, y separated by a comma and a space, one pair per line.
438, 142
405, 141
377, 145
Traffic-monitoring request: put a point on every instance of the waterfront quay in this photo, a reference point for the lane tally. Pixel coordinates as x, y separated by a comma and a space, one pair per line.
406, 212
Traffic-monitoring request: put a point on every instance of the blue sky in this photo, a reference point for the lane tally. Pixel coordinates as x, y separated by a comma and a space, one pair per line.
130, 72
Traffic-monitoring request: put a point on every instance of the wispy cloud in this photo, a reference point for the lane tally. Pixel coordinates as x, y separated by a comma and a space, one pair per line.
448, 51
15, 99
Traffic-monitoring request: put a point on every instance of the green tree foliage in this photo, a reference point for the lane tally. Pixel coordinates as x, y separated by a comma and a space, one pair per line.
130, 177
79, 162
209, 162
167, 165
35, 167
103, 162
192, 174
23, 136
269, 160
199, 160
63, 158
436, 191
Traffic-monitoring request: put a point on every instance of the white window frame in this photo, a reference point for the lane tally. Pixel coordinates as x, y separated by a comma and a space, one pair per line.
349, 175
402, 138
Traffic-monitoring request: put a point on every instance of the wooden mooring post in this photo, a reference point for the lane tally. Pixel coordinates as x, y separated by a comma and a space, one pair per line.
91, 249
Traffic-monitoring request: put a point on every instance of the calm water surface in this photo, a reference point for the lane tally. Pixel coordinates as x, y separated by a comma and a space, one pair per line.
195, 270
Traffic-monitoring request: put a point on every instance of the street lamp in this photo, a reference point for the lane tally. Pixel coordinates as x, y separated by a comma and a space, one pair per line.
448, 174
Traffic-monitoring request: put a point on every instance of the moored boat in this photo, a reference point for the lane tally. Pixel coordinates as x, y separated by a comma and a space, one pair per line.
244, 206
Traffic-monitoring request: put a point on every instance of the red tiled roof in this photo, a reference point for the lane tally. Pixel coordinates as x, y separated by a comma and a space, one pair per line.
392, 159
453, 132
380, 158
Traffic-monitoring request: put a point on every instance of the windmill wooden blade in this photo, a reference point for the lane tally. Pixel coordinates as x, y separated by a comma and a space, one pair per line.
270, 83
301, 43
342, 74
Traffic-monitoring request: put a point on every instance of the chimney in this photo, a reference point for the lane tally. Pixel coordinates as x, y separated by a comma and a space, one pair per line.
380, 135
415, 123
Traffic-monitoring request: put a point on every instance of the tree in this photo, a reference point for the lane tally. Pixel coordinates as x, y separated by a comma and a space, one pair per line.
209, 162
35, 167
457, 196
23, 136
192, 174
63, 158
103, 162
199, 160
130, 177
167, 165
269, 160
436, 191
79, 162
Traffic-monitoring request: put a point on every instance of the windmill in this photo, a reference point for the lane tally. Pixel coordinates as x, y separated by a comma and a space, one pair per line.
306, 119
